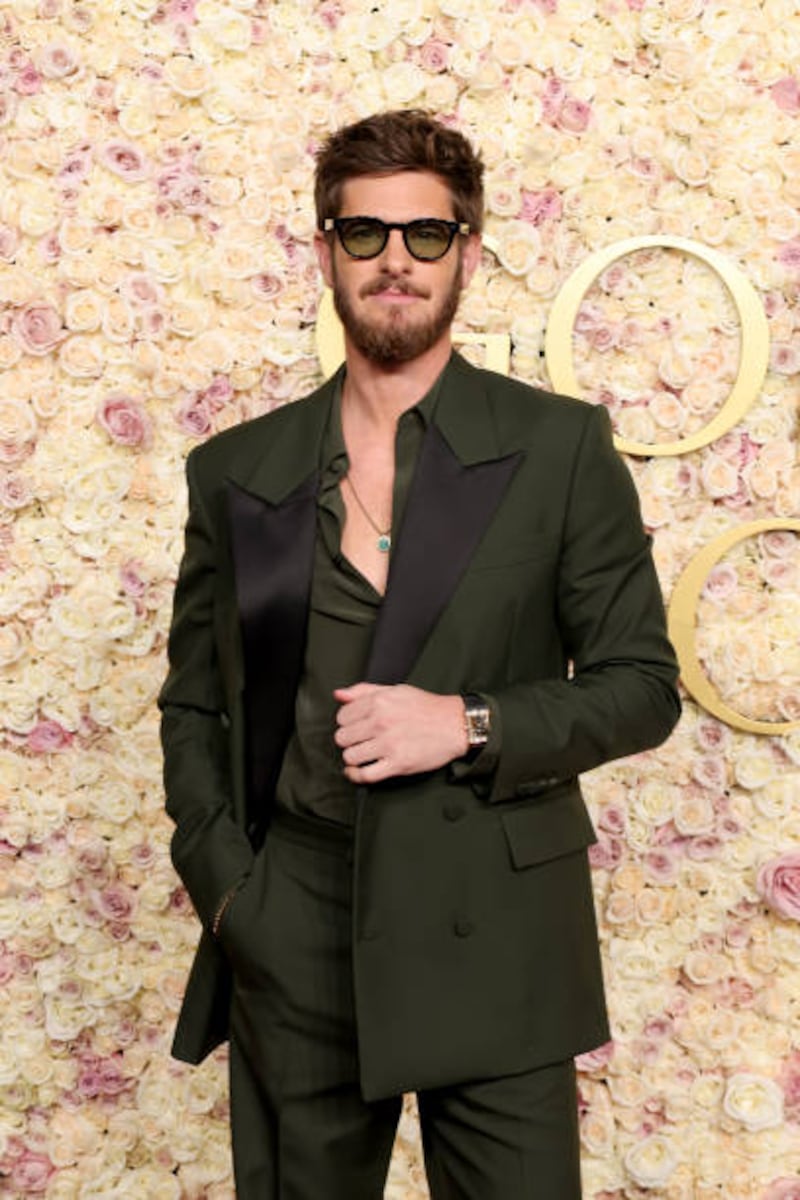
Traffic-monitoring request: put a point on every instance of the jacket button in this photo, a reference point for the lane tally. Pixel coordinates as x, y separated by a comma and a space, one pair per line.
453, 810
370, 933
462, 927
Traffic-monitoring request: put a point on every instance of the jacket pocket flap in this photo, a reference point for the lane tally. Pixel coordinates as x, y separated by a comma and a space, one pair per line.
547, 828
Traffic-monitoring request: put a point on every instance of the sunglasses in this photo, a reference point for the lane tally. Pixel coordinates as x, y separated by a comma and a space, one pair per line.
426, 239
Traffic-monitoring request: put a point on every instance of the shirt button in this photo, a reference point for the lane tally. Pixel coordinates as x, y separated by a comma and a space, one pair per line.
453, 810
462, 927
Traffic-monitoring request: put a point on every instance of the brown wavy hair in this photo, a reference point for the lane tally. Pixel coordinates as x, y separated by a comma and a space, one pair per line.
404, 140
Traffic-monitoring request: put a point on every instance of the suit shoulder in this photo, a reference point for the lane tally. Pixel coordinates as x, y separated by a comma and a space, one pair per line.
526, 398
522, 410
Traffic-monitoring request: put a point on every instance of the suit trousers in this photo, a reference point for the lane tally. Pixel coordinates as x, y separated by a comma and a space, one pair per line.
300, 1127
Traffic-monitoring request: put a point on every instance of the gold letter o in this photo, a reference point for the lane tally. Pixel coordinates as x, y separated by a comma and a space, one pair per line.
682, 613
752, 319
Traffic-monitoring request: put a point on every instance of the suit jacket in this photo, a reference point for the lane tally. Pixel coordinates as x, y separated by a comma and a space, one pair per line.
521, 569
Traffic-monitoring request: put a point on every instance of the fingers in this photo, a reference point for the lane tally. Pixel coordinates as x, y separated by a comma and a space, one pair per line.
355, 692
361, 753
373, 772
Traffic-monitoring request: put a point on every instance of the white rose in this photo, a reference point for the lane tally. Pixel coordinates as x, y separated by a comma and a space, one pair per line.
518, 247
402, 82
753, 1100
230, 30
651, 1161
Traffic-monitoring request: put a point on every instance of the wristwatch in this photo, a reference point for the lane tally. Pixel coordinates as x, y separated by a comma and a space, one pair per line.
477, 720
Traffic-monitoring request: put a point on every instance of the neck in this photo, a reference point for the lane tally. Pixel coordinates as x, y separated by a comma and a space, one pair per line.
380, 394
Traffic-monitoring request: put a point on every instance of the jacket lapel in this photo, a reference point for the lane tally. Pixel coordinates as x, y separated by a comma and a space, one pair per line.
272, 505
460, 480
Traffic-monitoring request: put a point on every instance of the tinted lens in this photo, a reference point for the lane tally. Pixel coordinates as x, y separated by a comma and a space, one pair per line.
363, 238
428, 239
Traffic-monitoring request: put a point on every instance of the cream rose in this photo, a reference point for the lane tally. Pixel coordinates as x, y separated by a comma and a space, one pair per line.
518, 247
651, 1162
754, 1101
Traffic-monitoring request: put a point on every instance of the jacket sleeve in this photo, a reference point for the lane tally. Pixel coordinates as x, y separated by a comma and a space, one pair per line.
621, 696
210, 851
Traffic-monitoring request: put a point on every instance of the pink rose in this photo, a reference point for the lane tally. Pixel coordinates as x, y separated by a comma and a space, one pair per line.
194, 417
711, 734
115, 903
181, 10
595, 1060
28, 82
59, 61
661, 865
789, 254
330, 14
434, 55
131, 579
48, 737
219, 392
125, 421
703, 847
126, 160
30, 1173
783, 1189
778, 883
101, 1077
141, 291
710, 771
721, 583
268, 285
539, 206
784, 358
659, 1028
15, 491
612, 819
780, 543
786, 94
574, 115
38, 328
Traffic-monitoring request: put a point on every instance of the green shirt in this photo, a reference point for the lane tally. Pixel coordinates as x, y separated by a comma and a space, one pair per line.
343, 609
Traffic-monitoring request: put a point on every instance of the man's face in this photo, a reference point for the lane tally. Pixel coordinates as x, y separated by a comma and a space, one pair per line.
394, 307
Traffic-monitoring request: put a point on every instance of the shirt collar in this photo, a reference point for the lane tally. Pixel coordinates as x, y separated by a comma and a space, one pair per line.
333, 450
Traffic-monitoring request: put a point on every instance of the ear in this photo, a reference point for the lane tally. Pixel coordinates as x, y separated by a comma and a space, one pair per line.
470, 258
324, 250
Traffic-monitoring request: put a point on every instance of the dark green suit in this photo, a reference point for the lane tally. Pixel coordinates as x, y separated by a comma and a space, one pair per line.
521, 552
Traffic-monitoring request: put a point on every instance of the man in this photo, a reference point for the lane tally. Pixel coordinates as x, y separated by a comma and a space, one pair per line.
412, 608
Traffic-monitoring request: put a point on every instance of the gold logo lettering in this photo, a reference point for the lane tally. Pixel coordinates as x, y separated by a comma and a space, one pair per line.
682, 626
753, 357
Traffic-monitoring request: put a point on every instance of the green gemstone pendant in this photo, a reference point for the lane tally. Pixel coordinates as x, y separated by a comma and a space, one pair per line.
385, 543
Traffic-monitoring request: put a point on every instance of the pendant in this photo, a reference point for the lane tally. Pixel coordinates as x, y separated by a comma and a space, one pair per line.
384, 543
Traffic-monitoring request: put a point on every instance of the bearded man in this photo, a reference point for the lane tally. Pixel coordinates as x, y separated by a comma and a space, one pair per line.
413, 607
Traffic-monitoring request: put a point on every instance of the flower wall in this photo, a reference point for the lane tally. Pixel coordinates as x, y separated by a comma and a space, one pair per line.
157, 284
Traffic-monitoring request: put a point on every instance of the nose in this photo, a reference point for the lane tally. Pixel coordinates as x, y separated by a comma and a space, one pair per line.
395, 257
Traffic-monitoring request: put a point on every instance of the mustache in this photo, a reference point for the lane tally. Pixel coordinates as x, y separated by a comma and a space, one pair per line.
384, 282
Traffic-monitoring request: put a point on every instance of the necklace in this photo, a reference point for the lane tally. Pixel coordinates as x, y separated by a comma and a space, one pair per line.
384, 542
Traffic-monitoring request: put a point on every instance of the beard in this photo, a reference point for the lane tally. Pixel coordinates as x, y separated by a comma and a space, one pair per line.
395, 342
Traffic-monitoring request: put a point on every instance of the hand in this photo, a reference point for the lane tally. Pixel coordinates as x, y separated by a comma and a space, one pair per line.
386, 730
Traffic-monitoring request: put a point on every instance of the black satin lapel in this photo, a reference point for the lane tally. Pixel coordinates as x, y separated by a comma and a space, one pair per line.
448, 510
273, 553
